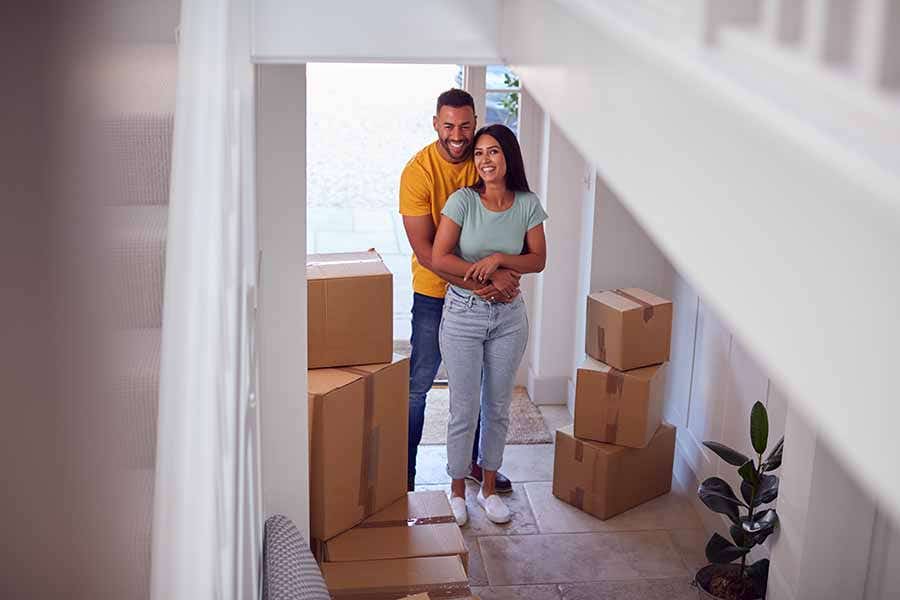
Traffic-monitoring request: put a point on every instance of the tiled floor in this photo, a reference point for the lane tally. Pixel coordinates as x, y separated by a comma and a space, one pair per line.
552, 551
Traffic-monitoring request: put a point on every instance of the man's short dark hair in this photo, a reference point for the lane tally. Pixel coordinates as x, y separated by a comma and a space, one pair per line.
456, 98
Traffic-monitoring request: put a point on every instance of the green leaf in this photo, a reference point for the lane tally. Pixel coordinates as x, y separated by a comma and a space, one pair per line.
766, 490
729, 455
737, 534
721, 551
759, 427
718, 496
774, 459
758, 573
762, 525
748, 472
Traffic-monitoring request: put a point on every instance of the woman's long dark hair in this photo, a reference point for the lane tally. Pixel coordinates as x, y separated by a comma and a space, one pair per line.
515, 168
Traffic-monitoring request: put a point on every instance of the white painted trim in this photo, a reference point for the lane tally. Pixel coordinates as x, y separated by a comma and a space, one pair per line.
473, 82
548, 389
281, 200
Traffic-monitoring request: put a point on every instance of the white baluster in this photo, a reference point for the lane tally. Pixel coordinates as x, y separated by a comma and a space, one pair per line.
878, 57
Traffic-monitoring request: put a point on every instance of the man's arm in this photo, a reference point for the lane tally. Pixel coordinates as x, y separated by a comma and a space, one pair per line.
420, 232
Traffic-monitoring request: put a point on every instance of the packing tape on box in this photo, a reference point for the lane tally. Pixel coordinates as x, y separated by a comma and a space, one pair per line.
601, 344
648, 308
355, 261
576, 498
409, 522
368, 473
615, 384
317, 547
436, 591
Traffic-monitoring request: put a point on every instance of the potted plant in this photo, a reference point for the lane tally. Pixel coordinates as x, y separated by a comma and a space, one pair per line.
751, 523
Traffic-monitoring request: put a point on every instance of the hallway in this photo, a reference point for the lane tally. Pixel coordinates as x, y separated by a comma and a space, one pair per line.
552, 551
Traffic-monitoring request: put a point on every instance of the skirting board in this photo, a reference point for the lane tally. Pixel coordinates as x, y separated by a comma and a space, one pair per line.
548, 389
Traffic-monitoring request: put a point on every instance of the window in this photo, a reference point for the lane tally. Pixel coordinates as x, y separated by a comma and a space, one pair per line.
502, 93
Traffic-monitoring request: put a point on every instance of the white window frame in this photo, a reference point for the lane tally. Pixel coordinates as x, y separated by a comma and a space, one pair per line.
474, 82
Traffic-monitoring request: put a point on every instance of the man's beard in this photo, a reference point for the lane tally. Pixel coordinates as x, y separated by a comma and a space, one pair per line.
460, 157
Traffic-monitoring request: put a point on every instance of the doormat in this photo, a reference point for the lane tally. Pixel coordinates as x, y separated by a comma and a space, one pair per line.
526, 424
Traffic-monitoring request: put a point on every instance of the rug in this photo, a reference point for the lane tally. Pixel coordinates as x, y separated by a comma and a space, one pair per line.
526, 424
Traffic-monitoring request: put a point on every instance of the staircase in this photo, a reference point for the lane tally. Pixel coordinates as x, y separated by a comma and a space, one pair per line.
135, 126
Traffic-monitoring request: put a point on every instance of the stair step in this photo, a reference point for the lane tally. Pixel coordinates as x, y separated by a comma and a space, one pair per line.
137, 265
134, 396
138, 159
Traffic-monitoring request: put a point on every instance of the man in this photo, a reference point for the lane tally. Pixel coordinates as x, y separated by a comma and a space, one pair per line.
427, 181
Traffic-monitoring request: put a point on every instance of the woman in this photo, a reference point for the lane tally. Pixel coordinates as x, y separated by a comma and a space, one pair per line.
495, 223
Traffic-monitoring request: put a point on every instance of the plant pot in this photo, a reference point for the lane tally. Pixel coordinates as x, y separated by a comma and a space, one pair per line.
705, 583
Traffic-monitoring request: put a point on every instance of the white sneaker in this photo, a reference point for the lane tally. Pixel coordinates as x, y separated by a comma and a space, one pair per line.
458, 506
494, 508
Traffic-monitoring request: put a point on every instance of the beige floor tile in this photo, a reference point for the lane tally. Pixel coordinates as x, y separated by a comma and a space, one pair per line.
528, 462
669, 511
477, 574
521, 463
555, 416
579, 557
647, 589
518, 592
522, 522
691, 544
431, 465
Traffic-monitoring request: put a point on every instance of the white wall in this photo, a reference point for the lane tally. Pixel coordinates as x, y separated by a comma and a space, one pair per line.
438, 31
778, 225
564, 184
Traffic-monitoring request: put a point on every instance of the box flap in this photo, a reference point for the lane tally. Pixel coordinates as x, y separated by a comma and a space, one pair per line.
641, 374
344, 264
415, 505
645, 296
403, 576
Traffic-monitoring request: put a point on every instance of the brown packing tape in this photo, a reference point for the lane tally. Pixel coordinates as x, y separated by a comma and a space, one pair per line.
601, 343
615, 384
318, 549
409, 522
576, 498
579, 451
648, 308
435, 591
368, 473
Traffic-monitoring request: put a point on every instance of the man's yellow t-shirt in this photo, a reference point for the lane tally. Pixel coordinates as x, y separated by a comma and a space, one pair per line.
426, 183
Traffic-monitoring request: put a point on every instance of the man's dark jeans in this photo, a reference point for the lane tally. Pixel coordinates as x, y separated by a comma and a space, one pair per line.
424, 360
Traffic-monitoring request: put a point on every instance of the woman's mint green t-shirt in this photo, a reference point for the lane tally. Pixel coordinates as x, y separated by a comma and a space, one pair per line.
483, 231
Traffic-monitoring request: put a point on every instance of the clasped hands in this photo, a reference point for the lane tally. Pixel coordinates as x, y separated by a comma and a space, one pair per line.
500, 285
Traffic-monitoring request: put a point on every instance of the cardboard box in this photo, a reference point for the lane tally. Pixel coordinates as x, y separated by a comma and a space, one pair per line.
618, 407
628, 328
605, 480
350, 310
358, 424
419, 524
439, 576
422, 596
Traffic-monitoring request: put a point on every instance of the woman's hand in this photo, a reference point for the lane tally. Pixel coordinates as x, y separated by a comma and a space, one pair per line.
484, 268
506, 282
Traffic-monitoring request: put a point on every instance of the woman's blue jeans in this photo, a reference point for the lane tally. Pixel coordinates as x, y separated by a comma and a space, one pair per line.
482, 345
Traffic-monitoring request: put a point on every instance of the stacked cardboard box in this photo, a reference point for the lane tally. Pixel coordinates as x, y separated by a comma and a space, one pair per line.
619, 452
373, 540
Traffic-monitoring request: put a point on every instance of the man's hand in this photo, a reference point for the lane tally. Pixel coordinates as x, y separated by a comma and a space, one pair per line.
506, 282
509, 281
484, 268
489, 293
